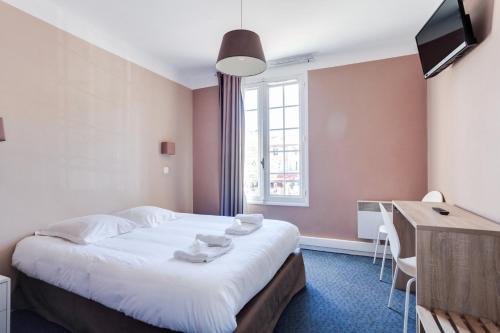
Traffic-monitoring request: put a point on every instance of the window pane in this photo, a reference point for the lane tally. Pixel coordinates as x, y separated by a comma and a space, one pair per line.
292, 161
275, 140
252, 164
276, 162
276, 96
292, 94
292, 187
252, 185
282, 138
251, 99
292, 117
252, 142
275, 118
292, 139
277, 184
252, 160
251, 120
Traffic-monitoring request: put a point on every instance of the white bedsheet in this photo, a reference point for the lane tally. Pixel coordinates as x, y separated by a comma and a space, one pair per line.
136, 273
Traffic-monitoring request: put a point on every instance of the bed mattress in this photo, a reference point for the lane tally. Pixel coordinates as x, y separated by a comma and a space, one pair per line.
136, 274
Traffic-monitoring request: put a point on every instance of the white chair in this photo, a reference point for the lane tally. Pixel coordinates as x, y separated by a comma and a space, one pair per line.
381, 231
432, 196
407, 265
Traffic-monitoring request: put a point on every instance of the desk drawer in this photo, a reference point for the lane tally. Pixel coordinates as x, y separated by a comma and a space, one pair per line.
3, 321
3, 296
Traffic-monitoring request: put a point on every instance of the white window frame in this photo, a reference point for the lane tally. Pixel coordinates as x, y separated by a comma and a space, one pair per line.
263, 118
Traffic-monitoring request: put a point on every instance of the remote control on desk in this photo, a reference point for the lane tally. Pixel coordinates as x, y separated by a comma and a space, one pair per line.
441, 211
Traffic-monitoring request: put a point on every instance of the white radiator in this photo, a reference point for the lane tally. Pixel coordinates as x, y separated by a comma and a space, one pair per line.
370, 218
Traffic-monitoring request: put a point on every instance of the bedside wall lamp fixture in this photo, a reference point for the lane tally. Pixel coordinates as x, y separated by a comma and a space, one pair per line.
2, 131
168, 148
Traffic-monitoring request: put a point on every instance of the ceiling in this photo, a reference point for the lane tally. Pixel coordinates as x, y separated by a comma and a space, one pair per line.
181, 38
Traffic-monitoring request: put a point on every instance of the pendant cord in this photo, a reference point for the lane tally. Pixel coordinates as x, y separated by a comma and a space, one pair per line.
241, 14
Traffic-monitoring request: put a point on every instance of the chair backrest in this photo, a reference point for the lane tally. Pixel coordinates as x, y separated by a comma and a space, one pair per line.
391, 233
433, 196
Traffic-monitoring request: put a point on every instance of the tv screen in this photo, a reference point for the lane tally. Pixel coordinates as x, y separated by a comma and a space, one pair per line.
445, 36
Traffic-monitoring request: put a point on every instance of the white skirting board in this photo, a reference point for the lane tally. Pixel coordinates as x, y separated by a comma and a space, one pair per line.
357, 248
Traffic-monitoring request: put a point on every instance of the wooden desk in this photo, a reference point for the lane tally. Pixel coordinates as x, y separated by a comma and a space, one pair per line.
458, 258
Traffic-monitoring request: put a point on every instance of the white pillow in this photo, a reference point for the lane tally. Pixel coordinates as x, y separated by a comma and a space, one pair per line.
88, 229
147, 216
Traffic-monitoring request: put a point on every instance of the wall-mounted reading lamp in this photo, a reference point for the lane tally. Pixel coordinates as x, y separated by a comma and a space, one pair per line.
168, 148
2, 131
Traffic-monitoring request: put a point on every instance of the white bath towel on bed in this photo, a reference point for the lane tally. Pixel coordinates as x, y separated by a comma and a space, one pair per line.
240, 228
250, 218
199, 252
214, 240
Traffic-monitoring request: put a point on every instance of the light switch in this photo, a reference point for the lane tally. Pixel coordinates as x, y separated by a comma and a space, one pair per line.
166, 170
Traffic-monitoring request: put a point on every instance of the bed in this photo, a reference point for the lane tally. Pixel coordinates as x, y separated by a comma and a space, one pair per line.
132, 282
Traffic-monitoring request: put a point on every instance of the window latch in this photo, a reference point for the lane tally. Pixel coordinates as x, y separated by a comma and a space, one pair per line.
262, 163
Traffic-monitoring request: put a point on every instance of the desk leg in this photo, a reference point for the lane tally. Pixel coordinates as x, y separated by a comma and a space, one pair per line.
406, 234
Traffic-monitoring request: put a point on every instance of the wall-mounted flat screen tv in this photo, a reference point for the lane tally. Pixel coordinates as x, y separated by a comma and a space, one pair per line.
445, 37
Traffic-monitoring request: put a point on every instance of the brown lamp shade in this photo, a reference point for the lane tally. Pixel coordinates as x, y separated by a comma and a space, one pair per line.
2, 131
168, 148
241, 54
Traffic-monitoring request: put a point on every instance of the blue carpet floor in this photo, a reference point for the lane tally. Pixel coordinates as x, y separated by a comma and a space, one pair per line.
343, 295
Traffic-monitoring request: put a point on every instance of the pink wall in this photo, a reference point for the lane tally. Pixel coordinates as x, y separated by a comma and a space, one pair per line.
367, 140
464, 120
83, 129
206, 151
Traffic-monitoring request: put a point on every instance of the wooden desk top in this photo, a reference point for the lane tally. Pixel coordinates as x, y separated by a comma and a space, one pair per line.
423, 217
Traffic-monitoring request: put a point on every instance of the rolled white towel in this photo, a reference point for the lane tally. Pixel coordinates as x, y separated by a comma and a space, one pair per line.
239, 228
195, 247
250, 218
214, 240
199, 253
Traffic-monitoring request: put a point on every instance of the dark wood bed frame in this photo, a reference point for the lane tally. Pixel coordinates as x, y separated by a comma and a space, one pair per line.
79, 314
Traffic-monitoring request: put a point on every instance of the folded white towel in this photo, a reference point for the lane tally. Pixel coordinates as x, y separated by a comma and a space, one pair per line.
250, 218
239, 228
199, 253
214, 240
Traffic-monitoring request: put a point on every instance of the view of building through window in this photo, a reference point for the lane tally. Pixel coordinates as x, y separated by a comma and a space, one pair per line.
284, 139
273, 145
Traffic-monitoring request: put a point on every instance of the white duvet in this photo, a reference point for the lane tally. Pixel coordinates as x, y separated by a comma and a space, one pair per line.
136, 273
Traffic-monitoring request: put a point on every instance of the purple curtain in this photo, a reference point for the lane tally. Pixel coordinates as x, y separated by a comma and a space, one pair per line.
232, 141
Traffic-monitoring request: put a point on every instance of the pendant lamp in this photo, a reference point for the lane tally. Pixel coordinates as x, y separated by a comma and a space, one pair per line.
241, 52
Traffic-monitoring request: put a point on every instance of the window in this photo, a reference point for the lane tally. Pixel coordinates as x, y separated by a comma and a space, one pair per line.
276, 142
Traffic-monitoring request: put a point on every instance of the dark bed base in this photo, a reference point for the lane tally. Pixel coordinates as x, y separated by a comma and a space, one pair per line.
78, 314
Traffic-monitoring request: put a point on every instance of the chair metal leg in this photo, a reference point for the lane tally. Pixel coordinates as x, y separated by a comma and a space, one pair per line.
407, 304
392, 272
376, 247
393, 284
383, 259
